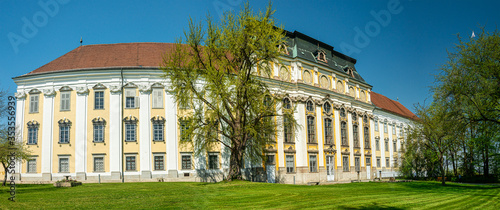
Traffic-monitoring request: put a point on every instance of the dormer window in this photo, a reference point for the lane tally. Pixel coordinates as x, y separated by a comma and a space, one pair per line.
322, 56
283, 48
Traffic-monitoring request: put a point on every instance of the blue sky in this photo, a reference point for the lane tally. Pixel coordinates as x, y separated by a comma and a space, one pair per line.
398, 49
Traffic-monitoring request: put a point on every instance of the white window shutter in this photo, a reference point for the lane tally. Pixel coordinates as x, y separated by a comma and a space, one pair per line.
136, 101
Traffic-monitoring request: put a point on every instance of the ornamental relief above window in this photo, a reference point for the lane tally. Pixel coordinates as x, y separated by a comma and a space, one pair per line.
324, 82
307, 77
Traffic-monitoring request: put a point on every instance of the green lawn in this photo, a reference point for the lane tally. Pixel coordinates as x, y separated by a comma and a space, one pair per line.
420, 195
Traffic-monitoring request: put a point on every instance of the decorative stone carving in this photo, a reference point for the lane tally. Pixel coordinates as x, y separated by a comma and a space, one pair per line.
20, 95
49, 92
99, 86
65, 88
144, 88
115, 89
82, 90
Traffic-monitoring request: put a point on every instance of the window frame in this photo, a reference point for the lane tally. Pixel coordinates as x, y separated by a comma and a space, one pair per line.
186, 160
96, 169
32, 132
345, 163
99, 100
313, 163
355, 135
159, 165
343, 133
328, 127
158, 128
290, 164
34, 104
28, 165
157, 98
311, 130
130, 163
64, 135
213, 165
65, 101
61, 164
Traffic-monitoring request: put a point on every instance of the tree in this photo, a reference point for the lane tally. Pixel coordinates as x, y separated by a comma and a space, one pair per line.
471, 77
434, 129
213, 72
7, 148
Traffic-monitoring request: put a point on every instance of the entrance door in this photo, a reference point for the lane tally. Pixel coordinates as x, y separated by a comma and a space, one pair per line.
329, 168
271, 169
368, 168
271, 173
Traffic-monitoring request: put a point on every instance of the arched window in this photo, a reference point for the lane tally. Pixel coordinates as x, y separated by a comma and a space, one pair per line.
354, 117
328, 131
355, 135
287, 104
367, 137
343, 133
365, 119
310, 106
327, 108
342, 112
310, 130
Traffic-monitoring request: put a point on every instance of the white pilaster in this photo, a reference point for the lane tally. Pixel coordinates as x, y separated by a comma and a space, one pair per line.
361, 137
20, 102
145, 131
171, 132
337, 136
300, 136
47, 134
81, 133
279, 140
115, 131
350, 138
319, 136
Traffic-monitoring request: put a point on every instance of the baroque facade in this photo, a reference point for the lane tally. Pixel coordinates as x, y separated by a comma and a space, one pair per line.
101, 110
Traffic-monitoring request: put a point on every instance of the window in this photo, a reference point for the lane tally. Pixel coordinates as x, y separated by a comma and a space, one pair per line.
131, 101
34, 103
99, 100
387, 163
213, 161
386, 145
158, 128
327, 108
367, 137
98, 129
313, 163
310, 130
355, 135
378, 162
65, 100
159, 162
343, 133
354, 117
31, 166
64, 127
377, 144
376, 125
157, 98
184, 127
385, 127
368, 161
63, 165
98, 164
270, 160
357, 164
287, 104
401, 132
130, 131
287, 131
342, 112
328, 131
310, 106
284, 74
186, 162
394, 149
33, 132
393, 129
290, 164
130, 163
345, 163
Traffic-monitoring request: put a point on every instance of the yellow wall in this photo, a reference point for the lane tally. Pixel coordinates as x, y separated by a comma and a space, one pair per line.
97, 148
64, 149
36, 150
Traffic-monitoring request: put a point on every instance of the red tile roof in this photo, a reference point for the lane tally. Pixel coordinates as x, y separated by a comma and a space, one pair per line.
109, 55
391, 106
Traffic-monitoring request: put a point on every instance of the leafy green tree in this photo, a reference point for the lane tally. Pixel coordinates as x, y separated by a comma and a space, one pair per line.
9, 150
213, 72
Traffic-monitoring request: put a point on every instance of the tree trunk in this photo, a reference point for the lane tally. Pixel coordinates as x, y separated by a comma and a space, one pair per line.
5, 177
235, 163
486, 162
